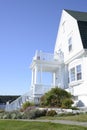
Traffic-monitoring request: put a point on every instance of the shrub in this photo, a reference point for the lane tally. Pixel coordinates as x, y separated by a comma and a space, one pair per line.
32, 114
51, 113
16, 115
26, 105
54, 97
11, 115
30, 108
66, 103
1, 111
74, 108
6, 115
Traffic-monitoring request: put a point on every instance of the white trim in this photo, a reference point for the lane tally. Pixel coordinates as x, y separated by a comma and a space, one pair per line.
75, 57
75, 83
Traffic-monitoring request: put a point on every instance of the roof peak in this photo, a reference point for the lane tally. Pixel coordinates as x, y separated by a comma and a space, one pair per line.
75, 11
78, 15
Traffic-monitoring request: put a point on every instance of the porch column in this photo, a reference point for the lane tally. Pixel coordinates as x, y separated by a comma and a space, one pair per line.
35, 75
32, 80
40, 74
54, 78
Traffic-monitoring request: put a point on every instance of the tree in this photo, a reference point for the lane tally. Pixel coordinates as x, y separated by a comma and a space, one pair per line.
54, 97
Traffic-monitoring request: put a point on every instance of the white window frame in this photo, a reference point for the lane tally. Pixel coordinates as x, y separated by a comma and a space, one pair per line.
72, 74
70, 44
75, 73
78, 72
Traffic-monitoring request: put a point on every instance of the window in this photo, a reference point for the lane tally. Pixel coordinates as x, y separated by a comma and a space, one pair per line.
75, 73
78, 70
72, 74
70, 44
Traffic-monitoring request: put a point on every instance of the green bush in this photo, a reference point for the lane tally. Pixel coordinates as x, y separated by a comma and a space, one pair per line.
28, 114
26, 105
66, 103
16, 115
74, 108
6, 115
1, 110
51, 113
11, 115
32, 114
54, 97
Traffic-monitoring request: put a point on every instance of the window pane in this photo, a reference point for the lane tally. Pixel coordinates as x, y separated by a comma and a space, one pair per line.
79, 73
78, 68
72, 74
79, 76
70, 43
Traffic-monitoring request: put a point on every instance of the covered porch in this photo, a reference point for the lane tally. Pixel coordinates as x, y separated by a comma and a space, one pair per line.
46, 71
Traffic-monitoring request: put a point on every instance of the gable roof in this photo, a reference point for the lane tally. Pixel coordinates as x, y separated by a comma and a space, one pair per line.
83, 32
81, 18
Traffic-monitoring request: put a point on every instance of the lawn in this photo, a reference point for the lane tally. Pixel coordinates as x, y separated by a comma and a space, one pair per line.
26, 125
80, 117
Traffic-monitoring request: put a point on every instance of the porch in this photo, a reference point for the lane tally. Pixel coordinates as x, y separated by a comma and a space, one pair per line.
43, 63
46, 73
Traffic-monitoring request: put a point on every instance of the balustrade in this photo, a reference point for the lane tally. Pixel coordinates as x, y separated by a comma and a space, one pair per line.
47, 56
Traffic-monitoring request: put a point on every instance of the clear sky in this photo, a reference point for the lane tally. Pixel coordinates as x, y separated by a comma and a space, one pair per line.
27, 26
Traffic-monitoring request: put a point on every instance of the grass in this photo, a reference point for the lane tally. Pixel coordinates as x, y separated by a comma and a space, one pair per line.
80, 117
26, 125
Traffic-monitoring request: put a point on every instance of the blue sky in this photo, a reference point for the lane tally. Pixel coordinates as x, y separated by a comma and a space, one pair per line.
27, 26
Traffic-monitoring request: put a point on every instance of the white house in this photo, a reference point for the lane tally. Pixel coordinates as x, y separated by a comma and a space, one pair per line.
72, 41
67, 66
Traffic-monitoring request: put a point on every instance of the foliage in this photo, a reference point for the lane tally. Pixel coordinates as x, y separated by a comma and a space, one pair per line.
1, 110
27, 114
51, 113
66, 103
26, 105
32, 114
11, 115
74, 108
54, 97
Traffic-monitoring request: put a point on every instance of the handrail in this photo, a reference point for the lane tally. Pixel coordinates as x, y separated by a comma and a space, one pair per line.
39, 55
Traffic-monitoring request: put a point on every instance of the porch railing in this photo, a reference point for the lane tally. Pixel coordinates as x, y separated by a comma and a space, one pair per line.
17, 104
39, 55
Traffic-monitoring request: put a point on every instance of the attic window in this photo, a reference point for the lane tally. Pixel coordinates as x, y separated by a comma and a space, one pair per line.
70, 44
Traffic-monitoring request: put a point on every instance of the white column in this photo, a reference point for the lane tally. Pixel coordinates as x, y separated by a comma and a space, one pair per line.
32, 80
59, 76
35, 78
41, 75
54, 78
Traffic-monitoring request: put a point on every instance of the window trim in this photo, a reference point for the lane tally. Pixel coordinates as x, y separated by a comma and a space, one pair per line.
70, 44
76, 74
72, 74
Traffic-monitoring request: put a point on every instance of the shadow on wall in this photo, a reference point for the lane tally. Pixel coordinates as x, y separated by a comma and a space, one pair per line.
80, 104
